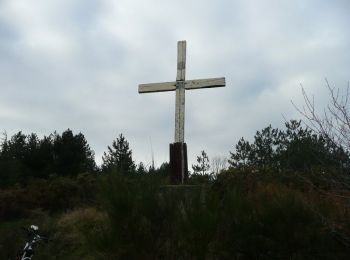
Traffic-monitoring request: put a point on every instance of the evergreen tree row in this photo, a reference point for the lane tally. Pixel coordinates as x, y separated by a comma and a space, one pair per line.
295, 148
26, 156
23, 157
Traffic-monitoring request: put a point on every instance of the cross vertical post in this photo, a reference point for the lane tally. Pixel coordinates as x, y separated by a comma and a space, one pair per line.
180, 93
178, 150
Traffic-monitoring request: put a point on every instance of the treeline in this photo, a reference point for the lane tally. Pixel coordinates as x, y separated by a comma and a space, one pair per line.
27, 156
294, 148
24, 157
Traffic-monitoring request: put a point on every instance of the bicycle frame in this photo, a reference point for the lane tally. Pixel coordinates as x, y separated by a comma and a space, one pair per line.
28, 250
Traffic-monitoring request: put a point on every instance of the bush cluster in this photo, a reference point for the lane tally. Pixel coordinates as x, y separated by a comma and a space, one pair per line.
52, 195
240, 215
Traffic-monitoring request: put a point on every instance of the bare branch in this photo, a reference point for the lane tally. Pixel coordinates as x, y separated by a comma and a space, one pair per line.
334, 122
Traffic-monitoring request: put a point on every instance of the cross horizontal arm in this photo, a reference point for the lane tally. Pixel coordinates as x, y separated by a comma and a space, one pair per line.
157, 87
205, 83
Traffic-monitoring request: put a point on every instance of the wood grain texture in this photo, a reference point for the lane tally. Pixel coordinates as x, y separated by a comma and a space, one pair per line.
205, 83
181, 60
157, 87
180, 113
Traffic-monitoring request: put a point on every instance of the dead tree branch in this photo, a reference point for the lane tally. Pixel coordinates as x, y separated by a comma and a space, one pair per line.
334, 122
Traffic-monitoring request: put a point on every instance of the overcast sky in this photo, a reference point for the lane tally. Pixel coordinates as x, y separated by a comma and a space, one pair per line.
77, 64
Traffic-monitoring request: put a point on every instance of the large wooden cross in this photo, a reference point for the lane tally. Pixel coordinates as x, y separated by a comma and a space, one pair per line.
180, 85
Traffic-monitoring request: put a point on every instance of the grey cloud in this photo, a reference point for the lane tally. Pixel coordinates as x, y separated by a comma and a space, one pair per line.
77, 64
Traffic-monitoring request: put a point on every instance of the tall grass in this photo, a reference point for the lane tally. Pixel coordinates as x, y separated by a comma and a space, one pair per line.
240, 215
241, 218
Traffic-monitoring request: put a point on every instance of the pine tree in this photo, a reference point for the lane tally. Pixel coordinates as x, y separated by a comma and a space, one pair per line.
202, 167
295, 148
72, 154
119, 157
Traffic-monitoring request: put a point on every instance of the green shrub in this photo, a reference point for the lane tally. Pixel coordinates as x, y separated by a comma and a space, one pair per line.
241, 215
53, 195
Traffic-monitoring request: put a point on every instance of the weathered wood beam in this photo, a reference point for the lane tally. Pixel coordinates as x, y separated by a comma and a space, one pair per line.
180, 93
157, 87
205, 83
189, 84
181, 60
